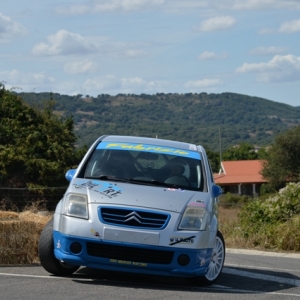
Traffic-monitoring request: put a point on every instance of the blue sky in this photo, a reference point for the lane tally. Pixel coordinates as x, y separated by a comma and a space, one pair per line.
251, 47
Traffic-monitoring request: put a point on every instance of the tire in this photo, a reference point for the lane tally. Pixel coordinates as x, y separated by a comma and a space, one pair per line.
46, 254
216, 264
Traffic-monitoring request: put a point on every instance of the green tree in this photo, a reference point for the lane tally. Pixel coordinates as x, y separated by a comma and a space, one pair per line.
214, 159
243, 151
283, 161
36, 146
262, 153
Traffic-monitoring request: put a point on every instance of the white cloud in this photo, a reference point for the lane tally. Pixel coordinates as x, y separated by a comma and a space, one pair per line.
105, 6
64, 43
206, 82
132, 53
290, 26
111, 83
286, 27
176, 6
278, 69
21, 79
272, 50
217, 23
76, 67
264, 31
206, 55
264, 4
10, 29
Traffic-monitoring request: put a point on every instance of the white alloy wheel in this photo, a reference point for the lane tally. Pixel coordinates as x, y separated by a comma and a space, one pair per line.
217, 259
215, 266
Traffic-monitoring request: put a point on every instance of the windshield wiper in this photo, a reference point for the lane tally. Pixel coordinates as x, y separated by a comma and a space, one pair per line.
135, 181
147, 181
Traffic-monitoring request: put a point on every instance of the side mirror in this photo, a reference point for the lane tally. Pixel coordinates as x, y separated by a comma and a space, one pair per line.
70, 174
216, 191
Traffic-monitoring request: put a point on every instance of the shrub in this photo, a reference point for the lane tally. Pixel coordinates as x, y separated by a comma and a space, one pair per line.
229, 200
270, 223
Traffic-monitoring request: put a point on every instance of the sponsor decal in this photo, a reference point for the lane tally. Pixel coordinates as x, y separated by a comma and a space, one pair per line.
202, 261
149, 148
128, 263
104, 188
193, 147
177, 190
181, 240
95, 233
198, 203
87, 184
109, 190
204, 256
58, 245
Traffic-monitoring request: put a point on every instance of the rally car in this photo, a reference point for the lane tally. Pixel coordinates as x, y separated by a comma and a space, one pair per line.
141, 205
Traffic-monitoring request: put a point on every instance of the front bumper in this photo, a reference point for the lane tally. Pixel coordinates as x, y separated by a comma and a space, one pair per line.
130, 257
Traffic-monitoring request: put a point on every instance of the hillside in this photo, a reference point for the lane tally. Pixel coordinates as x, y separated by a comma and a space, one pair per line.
196, 118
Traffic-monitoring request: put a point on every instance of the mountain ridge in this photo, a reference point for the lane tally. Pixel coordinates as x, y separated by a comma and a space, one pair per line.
213, 120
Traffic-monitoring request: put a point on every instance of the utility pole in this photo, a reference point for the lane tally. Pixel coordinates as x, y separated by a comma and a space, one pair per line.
220, 145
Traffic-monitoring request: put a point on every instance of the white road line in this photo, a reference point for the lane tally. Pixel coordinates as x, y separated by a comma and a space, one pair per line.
228, 289
263, 253
291, 281
40, 276
260, 268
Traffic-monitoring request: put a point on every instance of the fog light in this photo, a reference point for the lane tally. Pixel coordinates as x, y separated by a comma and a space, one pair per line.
76, 248
183, 260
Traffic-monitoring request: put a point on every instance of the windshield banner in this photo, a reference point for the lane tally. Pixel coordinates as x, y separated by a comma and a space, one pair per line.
148, 148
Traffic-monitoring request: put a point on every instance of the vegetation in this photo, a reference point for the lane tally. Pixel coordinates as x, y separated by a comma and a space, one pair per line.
243, 151
216, 121
283, 160
36, 146
270, 224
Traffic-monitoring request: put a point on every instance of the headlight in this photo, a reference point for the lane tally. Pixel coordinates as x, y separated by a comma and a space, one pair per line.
194, 218
76, 206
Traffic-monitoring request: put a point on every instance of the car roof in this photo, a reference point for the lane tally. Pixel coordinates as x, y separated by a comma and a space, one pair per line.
151, 141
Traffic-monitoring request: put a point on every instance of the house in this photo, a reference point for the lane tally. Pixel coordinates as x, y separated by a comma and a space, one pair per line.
241, 177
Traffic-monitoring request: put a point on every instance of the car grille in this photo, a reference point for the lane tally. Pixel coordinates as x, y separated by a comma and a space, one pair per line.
133, 218
130, 253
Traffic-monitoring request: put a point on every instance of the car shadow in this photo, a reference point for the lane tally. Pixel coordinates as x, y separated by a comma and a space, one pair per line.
249, 282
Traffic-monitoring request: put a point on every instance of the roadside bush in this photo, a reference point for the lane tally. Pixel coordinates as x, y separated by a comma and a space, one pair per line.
229, 200
274, 223
266, 189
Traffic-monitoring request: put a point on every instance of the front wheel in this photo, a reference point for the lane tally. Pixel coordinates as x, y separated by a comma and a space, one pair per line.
216, 263
46, 254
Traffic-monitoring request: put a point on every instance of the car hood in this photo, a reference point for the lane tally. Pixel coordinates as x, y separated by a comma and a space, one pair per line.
128, 194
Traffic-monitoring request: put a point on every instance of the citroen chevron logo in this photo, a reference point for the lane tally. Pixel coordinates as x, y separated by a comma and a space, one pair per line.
133, 216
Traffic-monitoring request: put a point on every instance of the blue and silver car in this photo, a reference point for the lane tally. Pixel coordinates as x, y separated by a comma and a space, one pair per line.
141, 205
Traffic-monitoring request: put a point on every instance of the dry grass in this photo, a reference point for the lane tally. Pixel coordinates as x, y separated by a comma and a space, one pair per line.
282, 238
229, 226
233, 235
8, 215
19, 235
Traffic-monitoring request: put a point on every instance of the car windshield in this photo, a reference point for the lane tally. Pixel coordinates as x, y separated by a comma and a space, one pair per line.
146, 164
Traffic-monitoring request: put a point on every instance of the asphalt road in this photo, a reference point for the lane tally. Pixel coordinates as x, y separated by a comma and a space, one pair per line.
246, 275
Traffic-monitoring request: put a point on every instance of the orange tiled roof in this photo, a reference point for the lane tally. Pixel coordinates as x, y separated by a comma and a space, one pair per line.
240, 171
